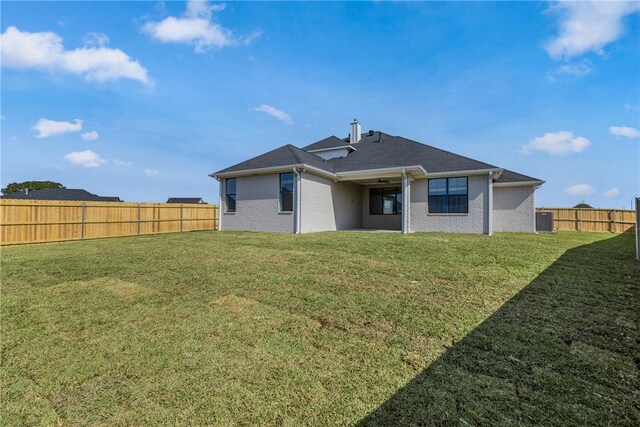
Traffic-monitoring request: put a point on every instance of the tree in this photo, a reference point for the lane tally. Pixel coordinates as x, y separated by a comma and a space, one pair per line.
14, 187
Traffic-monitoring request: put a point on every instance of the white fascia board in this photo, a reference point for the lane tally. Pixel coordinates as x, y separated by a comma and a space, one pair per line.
381, 172
496, 171
273, 169
519, 184
332, 149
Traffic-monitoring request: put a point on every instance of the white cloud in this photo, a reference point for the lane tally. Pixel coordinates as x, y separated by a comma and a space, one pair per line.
588, 26
151, 172
87, 158
90, 136
196, 27
274, 112
579, 70
122, 162
248, 39
580, 190
95, 39
562, 142
46, 127
612, 193
44, 51
624, 131
630, 107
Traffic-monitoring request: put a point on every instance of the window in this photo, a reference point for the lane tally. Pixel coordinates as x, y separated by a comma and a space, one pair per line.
286, 192
385, 201
448, 195
230, 192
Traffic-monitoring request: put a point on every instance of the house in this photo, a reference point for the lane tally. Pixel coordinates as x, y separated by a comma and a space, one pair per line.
373, 180
60, 194
187, 200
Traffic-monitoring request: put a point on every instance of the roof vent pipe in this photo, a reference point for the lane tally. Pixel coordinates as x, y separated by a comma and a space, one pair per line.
356, 132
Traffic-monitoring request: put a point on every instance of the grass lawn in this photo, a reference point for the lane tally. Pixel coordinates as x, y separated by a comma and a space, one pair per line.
323, 329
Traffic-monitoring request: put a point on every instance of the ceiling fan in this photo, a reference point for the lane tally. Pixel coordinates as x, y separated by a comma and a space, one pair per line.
383, 181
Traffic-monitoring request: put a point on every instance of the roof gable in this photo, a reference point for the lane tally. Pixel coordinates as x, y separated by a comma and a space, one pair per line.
283, 156
327, 143
509, 176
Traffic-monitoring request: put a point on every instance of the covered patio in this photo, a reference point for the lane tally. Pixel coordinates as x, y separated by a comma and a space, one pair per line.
385, 197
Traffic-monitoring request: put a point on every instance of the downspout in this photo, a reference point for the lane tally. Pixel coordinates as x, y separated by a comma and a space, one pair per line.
533, 196
490, 203
406, 202
297, 198
220, 210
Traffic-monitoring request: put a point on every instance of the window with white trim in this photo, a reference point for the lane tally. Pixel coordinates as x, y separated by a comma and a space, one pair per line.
230, 193
286, 192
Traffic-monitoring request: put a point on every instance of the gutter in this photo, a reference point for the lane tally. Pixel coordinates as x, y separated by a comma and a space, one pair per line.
360, 174
283, 168
495, 173
535, 184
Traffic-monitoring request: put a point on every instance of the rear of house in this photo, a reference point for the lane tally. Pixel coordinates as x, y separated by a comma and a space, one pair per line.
373, 181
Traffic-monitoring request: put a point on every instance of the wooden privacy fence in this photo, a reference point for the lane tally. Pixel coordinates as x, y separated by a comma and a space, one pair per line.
580, 219
42, 221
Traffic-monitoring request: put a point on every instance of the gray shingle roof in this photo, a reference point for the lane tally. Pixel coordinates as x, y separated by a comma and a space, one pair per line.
380, 150
61, 194
511, 176
374, 151
282, 156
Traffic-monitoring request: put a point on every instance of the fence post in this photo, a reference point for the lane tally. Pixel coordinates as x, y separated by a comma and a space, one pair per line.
615, 229
580, 219
82, 229
138, 219
181, 217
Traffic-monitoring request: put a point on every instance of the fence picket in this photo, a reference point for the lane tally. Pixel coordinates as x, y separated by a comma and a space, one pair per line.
43, 221
582, 219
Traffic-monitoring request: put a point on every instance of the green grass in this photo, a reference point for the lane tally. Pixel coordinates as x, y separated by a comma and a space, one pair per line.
323, 329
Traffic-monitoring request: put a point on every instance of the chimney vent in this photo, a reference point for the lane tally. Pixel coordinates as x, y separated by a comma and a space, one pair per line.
356, 132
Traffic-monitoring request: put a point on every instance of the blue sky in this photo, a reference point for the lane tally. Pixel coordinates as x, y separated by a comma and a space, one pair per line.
144, 99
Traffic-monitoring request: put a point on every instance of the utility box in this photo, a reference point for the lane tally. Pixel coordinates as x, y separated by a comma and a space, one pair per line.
544, 221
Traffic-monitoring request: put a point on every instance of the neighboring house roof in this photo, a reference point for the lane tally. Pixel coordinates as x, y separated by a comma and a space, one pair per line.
509, 176
283, 156
583, 206
61, 194
375, 150
191, 200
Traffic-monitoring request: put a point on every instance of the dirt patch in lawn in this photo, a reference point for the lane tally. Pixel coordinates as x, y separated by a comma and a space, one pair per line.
234, 303
376, 263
